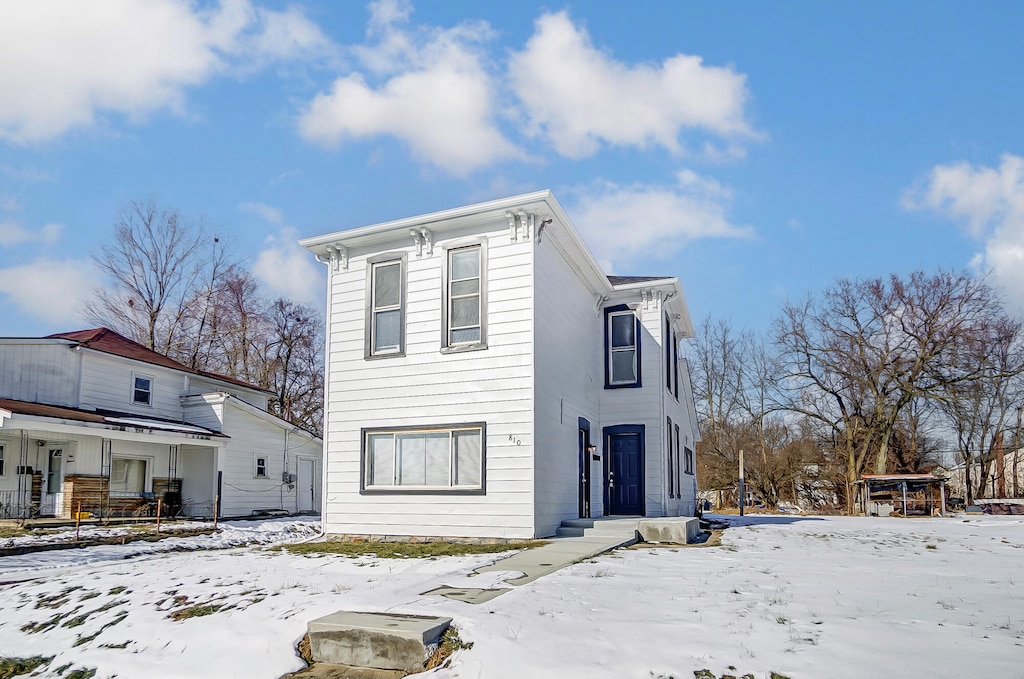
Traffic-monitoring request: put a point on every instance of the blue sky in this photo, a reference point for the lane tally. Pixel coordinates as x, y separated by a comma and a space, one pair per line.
757, 151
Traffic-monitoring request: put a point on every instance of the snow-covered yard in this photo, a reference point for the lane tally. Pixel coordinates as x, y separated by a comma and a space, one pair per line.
802, 596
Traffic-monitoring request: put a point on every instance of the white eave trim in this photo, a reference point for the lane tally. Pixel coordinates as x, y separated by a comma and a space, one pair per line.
460, 216
218, 398
110, 431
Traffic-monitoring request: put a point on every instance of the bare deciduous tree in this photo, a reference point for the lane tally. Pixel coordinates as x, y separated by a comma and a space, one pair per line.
159, 263
859, 356
176, 290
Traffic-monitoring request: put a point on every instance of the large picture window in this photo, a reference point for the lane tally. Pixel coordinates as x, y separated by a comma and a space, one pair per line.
465, 306
622, 342
426, 459
127, 475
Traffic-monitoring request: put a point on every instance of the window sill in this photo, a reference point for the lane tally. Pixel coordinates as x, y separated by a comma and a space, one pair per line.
377, 357
630, 385
421, 490
463, 348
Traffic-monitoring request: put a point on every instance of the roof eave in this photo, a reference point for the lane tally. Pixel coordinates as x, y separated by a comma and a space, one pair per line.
460, 216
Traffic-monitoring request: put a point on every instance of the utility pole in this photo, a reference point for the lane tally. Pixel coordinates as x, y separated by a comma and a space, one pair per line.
743, 491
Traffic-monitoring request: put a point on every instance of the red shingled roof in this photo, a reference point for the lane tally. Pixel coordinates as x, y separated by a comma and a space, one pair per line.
110, 342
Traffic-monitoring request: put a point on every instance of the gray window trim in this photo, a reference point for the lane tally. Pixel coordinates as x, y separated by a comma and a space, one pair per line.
3, 461
391, 257
364, 435
446, 249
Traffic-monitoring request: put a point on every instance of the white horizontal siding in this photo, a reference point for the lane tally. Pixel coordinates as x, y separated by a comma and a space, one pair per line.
427, 387
241, 491
39, 373
202, 385
107, 383
569, 377
645, 405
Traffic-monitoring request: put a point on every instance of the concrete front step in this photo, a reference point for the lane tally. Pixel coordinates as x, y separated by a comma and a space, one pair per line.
610, 527
388, 641
678, 530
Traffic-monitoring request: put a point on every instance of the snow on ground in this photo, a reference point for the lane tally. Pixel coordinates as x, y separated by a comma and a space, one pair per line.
803, 596
229, 534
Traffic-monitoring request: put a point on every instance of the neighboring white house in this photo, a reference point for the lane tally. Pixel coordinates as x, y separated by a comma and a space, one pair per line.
485, 378
94, 420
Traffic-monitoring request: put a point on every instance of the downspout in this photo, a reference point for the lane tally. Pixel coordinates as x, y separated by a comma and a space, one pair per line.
325, 434
284, 474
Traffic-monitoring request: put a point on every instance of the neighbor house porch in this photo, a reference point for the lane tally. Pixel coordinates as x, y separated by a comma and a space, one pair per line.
61, 462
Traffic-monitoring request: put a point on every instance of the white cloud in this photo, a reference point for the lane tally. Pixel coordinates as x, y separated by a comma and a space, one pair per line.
988, 204
51, 290
268, 213
624, 224
286, 269
64, 63
578, 97
430, 89
13, 233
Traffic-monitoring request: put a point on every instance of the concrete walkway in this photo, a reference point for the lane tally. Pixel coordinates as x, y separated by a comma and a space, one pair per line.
577, 539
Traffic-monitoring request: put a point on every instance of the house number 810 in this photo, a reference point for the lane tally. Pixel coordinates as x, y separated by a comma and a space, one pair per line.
513, 439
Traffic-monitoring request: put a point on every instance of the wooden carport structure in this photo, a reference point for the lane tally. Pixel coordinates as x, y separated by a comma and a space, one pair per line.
901, 494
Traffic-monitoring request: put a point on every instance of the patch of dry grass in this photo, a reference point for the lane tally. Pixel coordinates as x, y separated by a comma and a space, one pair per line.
403, 550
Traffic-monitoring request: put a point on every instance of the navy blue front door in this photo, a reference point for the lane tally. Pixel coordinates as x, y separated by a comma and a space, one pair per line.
624, 481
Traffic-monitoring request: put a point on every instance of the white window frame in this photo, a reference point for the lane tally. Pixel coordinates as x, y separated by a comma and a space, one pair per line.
372, 264
612, 350
142, 376
256, 467
147, 482
447, 345
453, 487
3, 461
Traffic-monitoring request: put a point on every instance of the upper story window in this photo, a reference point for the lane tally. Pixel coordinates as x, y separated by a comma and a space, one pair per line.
385, 322
622, 343
1, 460
667, 337
424, 459
465, 298
675, 365
142, 390
261, 467
689, 461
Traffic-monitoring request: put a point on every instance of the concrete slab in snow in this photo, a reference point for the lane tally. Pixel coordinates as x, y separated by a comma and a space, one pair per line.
680, 530
378, 640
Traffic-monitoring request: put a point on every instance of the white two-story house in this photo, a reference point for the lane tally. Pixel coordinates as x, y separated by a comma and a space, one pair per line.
93, 422
485, 378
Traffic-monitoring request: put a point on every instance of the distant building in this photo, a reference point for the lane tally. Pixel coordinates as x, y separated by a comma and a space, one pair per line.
91, 420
